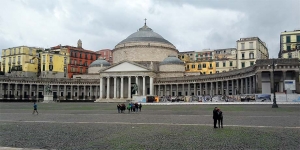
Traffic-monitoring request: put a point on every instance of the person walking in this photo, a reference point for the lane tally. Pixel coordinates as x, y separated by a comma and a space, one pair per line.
220, 118
119, 108
35, 108
215, 116
140, 106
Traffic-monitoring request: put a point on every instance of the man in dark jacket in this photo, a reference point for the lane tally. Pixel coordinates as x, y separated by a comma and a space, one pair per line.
220, 118
215, 116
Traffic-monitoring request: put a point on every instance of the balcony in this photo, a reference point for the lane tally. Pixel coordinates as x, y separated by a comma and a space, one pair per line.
199, 68
210, 67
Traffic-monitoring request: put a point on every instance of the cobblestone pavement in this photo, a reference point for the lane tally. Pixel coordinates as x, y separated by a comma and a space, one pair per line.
99, 126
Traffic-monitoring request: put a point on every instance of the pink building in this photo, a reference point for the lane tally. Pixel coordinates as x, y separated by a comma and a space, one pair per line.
106, 54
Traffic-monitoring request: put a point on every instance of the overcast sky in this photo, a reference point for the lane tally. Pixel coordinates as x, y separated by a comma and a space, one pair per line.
191, 25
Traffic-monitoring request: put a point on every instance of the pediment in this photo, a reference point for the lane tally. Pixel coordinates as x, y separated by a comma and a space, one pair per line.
125, 67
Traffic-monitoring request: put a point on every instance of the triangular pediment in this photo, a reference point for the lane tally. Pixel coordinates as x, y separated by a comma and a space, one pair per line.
125, 66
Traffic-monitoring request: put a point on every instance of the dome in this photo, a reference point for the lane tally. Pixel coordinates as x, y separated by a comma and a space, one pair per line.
99, 62
171, 59
145, 34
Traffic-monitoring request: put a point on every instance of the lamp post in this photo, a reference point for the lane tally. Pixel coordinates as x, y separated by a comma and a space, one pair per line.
274, 98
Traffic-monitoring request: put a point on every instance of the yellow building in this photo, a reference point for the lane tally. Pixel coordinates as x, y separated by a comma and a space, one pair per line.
289, 44
54, 63
187, 56
208, 67
20, 61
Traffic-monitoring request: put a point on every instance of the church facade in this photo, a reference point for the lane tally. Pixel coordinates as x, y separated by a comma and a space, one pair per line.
146, 64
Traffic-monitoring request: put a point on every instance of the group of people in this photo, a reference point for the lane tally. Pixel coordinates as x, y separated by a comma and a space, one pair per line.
132, 107
218, 117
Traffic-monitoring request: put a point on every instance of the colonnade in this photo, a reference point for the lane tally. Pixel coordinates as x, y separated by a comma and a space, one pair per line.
245, 85
120, 87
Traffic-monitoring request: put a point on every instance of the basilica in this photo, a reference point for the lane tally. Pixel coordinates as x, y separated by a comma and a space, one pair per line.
146, 64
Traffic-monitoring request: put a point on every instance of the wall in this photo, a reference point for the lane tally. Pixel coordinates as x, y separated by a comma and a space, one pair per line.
172, 67
203, 70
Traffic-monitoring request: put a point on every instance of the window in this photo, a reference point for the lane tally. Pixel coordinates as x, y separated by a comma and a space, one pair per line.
251, 45
19, 59
50, 67
288, 48
193, 66
210, 65
75, 62
288, 39
14, 60
217, 64
86, 56
43, 67
204, 73
251, 55
80, 55
242, 45
243, 55
188, 66
290, 55
85, 63
298, 38
210, 72
199, 66
243, 65
65, 60
65, 72
91, 57
231, 64
80, 62
251, 63
224, 64
204, 66
50, 58
44, 59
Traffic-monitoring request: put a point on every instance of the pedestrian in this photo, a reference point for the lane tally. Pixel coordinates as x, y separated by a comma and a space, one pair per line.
136, 107
220, 118
35, 108
119, 108
215, 116
129, 108
140, 106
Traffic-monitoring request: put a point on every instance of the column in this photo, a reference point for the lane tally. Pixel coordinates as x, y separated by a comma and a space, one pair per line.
232, 88
108, 87
195, 89
96, 94
227, 88
222, 88
144, 86
78, 92
258, 84
37, 91
237, 87
284, 76
200, 84
211, 88
151, 85
217, 88
101, 88
71, 86
165, 90
129, 87
189, 89
91, 92
65, 92
23, 86
137, 83
44, 92
1, 84
115, 87
58, 92
158, 90
250, 85
246, 82
254, 84
176, 90
242, 85
183, 93
206, 89
8, 89
171, 90
122, 87
15, 90
30, 90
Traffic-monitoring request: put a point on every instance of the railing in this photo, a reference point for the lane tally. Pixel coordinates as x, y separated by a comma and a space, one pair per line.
31, 79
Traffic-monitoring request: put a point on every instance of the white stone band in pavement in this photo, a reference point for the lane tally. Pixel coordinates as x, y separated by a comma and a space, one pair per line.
12, 148
220, 103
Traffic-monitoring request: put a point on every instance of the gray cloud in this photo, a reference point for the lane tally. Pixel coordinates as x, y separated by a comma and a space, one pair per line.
189, 25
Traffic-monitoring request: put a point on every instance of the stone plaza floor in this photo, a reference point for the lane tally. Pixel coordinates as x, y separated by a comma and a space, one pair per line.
100, 126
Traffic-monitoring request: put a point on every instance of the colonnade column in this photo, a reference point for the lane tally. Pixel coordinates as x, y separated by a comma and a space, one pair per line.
1, 90
237, 86
171, 90
242, 85
129, 87
195, 89
37, 91
137, 83
189, 89
165, 90
232, 88
177, 89
91, 92
107, 94
227, 88
58, 92
222, 88
254, 84
65, 91
183, 93
115, 87
72, 94
144, 86
122, 87
206, 89
158, 91
247, 88
211, 88
101, 88
217, 88
8, 89
151, 86
200, 84
30, 90
96, 94
78, 92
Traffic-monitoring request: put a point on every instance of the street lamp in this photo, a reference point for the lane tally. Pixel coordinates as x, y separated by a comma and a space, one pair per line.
274, 98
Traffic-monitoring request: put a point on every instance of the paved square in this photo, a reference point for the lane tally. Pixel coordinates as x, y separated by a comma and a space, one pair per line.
99, 126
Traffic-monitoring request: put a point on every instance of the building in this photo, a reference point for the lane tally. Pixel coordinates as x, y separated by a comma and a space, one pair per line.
20, 61
249, 50
225, 59
204, 67
145, 65
106, 54
54, 63
79, 58
289, 44
187, 56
